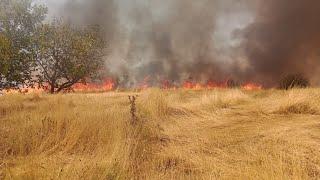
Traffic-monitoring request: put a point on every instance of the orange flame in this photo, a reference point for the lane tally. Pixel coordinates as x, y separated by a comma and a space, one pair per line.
251, 86
107, 85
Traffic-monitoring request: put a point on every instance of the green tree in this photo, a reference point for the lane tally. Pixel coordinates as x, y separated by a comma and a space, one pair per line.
67, 55
18, 22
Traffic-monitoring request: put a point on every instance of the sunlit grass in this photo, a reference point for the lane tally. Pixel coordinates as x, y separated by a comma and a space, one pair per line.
182, 134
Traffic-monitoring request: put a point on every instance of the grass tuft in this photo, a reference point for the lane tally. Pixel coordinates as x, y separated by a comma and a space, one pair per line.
298, 108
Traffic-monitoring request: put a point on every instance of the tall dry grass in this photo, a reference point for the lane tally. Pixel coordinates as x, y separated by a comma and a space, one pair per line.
182, 134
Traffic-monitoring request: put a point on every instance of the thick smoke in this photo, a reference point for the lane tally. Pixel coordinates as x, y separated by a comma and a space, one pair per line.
181, 39
284, 38
93, 12
169, 39
180, 44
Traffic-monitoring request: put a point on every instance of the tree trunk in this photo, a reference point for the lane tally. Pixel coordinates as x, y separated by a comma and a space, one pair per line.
51, 88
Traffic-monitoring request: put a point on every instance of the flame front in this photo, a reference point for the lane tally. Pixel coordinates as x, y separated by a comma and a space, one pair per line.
251, 86
109, 85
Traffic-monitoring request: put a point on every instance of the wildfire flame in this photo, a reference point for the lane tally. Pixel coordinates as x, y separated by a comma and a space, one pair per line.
109, 84
251, 86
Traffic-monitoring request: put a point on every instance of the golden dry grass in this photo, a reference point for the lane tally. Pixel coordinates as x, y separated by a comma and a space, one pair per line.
220, 134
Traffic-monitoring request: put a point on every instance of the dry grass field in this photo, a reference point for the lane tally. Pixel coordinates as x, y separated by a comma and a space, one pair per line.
182, 134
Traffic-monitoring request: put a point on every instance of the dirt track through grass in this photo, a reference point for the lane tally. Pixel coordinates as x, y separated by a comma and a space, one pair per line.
221, 134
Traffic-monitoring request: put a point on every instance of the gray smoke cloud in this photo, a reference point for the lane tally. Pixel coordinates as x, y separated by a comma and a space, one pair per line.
168, 39
93, 12
284, 38
204, 40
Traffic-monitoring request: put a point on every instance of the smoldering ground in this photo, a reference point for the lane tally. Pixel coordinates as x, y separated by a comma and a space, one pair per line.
205, 40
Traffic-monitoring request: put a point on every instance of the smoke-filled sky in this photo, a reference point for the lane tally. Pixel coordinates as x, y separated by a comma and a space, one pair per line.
246, 40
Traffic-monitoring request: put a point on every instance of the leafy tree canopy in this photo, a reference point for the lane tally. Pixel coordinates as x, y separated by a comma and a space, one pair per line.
67, 54
18, 22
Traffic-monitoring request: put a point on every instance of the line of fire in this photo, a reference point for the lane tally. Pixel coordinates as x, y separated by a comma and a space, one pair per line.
111, 84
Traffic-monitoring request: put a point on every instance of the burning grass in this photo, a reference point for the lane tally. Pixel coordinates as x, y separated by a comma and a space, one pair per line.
179, 134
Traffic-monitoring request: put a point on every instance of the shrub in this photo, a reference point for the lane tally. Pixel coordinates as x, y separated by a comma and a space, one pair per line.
294, 81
